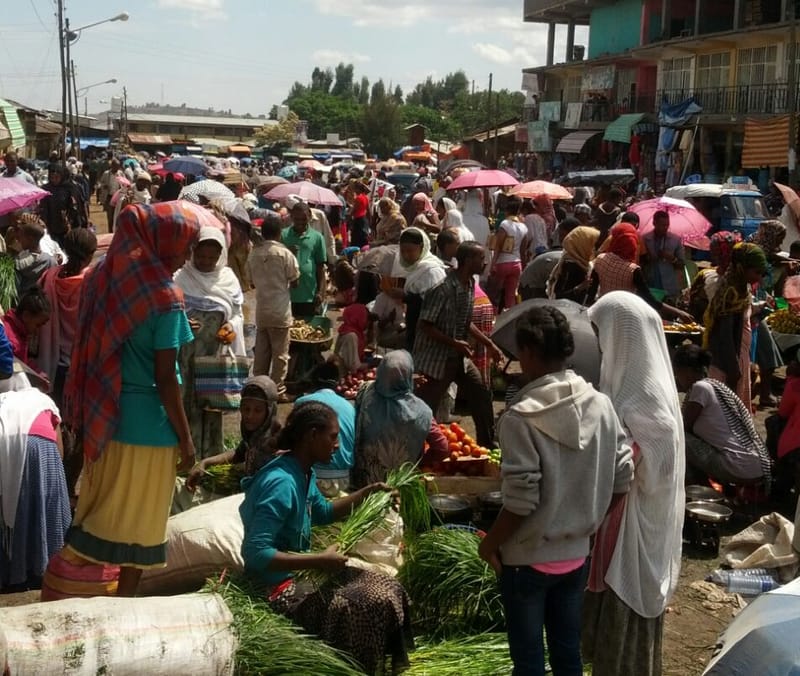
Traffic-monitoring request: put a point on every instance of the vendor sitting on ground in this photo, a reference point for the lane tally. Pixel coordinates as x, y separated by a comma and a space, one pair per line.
721, 440
363, 613
392, 423
259, 425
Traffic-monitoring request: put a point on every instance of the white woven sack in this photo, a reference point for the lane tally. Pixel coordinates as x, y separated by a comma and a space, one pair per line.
189, 634
201, 542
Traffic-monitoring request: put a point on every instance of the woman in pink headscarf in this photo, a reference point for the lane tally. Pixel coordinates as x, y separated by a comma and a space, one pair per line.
425, 216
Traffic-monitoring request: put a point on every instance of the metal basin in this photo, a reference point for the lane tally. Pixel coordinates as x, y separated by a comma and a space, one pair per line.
704, 493
450, 508
710, 512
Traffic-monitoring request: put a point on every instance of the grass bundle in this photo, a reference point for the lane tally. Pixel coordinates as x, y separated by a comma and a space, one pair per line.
269, 644
480, 655
8, 282
223, 479
450, 586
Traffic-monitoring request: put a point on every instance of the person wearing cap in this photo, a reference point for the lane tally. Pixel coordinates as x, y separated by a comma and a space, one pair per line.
258, 425
308, 246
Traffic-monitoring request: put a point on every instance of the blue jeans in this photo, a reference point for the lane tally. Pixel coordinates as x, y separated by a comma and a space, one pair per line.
534, 601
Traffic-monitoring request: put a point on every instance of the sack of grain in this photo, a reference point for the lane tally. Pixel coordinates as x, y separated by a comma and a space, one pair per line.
200, 542
190, 634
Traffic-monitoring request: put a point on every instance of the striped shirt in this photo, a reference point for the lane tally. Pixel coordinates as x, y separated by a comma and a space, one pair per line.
448, 306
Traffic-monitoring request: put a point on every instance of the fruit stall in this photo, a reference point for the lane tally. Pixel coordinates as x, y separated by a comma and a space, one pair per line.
785, 327
309, 338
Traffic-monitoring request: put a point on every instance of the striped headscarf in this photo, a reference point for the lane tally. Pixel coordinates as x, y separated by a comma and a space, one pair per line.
722, 244
131, 284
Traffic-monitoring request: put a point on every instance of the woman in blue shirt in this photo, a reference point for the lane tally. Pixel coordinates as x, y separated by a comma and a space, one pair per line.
363, 613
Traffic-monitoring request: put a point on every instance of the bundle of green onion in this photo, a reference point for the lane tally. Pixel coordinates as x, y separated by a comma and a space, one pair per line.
223, 479
269, 644
451, 588
480, 655
8, 282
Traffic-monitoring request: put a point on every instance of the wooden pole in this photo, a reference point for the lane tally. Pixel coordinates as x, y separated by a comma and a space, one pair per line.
791, 87
76, 132
62, 151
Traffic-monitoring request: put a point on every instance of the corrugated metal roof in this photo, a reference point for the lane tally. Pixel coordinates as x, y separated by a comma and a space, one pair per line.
150, 139
13, 124
574, 141
196, 120
620, 129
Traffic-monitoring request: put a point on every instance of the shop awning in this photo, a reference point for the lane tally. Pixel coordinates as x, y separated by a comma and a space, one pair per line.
620, 129
46, 127
766, 143
13, 124
239, 149
574, 141
150, 139
90, 142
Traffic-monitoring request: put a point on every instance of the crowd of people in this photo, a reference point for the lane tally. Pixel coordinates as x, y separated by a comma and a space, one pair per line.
100, 390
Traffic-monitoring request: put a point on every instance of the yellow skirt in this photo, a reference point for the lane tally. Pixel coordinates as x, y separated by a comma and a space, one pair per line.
123, 506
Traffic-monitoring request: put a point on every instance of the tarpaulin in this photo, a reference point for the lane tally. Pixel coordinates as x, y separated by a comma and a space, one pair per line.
766, 143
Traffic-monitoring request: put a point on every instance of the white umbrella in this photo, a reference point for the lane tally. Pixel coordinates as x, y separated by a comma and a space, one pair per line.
207, 188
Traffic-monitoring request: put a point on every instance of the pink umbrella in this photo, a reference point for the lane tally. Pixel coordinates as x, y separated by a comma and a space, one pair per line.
534, 189
311, 193
790, 197
483, 178
684, 220
18, 194
312, 164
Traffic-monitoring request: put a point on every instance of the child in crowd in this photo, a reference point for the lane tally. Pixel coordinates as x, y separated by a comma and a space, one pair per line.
273, 270
31, 262
24, 321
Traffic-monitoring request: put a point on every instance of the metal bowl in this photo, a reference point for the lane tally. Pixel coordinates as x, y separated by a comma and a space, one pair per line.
492, 499
704, 493
450, 508
710, 512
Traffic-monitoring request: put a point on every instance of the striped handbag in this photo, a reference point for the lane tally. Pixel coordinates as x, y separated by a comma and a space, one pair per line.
219, 379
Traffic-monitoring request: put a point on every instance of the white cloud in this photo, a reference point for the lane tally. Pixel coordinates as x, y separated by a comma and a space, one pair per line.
492, 53
205, 10
333, 57
375, 13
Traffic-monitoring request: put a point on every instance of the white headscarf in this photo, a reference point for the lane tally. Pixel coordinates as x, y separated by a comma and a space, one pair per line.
218, 290
474, 219
423, 275
455, 221
644, 569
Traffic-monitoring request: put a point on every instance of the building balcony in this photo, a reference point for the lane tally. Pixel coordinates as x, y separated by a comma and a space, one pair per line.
598, 112
561, 11
762, 99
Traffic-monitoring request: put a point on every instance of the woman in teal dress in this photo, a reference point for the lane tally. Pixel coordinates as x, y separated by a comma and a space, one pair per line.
363, 613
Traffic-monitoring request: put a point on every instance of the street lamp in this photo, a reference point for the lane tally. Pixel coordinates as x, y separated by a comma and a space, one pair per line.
82, 91
66, 37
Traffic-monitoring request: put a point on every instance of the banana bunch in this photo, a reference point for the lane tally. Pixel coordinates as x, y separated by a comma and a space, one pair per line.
691, 327
302, 330
784, 321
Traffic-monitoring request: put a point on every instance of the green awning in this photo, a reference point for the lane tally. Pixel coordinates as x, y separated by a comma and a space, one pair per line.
13, 124
620, 129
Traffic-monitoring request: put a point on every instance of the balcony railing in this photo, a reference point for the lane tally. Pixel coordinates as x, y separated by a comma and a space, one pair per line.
739, 100
599, 110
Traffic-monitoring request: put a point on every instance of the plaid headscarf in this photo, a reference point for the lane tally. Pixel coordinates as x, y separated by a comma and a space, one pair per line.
769, 236
131, 284
722, 244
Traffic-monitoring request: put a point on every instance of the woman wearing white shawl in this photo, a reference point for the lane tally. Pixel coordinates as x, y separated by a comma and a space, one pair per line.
637, 553
455, 221
421, 271
214, 301
474, 218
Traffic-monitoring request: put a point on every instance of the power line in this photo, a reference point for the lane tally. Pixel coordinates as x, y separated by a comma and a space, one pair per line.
38, 18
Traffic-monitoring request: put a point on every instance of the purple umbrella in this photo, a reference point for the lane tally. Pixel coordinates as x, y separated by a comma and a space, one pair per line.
18, 194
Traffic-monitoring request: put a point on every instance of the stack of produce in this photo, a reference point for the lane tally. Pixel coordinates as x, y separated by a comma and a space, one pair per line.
223, 479
784, 321
677, 327
495, 457
8, 282
349, 386
452, 590
480, 655
303, 331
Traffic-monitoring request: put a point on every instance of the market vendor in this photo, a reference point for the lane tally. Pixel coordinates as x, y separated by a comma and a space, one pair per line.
309, 248
721, 440
259, 426
363, 613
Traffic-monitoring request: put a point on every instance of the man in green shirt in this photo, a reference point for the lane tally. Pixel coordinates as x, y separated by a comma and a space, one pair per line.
308, 246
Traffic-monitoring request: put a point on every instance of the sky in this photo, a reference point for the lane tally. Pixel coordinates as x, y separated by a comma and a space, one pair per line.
244, 55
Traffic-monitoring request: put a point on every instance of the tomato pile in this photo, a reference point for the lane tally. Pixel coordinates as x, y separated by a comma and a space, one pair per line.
349, 385
461, 444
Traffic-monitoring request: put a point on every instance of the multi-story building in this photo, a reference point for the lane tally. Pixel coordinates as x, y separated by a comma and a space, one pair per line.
731, 56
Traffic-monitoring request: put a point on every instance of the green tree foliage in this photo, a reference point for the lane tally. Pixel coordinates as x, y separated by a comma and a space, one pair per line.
334, 102
282, 133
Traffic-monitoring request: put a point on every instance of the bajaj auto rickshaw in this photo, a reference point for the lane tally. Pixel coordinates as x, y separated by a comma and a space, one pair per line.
736, 205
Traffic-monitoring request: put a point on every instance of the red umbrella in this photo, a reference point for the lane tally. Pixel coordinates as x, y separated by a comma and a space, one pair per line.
790, 197
310, 192
534, 189
684, 219
483, 178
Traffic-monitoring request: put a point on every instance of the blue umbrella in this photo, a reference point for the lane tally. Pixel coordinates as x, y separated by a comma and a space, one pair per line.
289, 171
763, 638
186, 165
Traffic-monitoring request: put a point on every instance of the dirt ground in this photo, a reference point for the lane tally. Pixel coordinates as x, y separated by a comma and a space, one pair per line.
692, 625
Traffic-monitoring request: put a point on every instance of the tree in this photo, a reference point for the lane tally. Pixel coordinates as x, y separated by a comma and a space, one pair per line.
382, 127
321, 80
363, 92
282, 133
343, 86
398, 94
379, 92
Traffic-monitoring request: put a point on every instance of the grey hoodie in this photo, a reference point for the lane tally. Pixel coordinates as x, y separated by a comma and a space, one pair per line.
564, 455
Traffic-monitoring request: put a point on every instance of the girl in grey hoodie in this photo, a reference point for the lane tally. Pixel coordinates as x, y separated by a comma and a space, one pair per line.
564, 456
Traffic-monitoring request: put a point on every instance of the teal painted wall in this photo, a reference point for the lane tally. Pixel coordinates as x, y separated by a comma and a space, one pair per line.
616, 28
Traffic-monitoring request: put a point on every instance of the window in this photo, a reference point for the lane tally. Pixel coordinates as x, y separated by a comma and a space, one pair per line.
626, 79
572, 90
757, 66
713, 70
676, 74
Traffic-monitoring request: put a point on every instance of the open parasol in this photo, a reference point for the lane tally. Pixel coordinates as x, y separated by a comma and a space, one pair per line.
310, 192
18, 194
684, 220
534, 189
379, 259
207, 188
186, 165
483, 178
791, 198
585, 360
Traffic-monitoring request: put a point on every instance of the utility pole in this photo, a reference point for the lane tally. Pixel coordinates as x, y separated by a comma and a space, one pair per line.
489, 110
76, 129
124, 138
70, 78
791, 82
496, 122
62, 151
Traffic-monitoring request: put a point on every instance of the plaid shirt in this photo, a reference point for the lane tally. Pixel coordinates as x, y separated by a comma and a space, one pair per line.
448, 306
